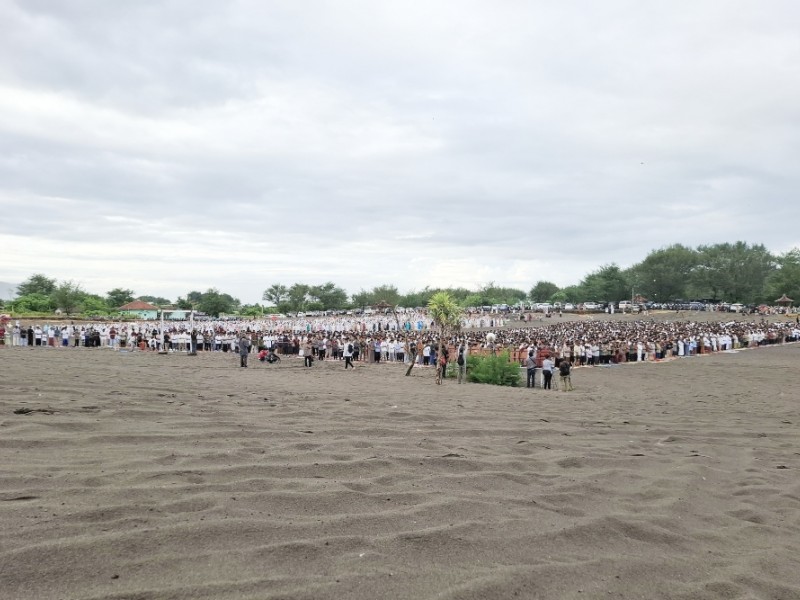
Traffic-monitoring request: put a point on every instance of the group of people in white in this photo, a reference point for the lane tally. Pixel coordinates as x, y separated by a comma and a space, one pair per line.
584, 342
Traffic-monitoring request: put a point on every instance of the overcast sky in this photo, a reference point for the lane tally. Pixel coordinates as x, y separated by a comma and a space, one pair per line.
169, 146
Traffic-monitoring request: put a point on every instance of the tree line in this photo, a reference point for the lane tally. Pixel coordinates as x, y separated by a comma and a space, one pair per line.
42, 294
732, 272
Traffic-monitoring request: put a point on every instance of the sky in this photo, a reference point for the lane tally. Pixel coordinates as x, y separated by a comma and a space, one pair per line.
178, 145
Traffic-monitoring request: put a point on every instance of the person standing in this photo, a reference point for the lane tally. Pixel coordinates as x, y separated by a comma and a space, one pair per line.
244, 350
461, 363
547, 373
347, 353
530, 365
564, 369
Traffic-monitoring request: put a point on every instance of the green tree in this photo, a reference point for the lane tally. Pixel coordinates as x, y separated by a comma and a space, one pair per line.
215, 303
665, 274
733, 272
446, 315
419, 298
297, 297
194, 297
328, 296
118, 297
37, 284
493, 294
93, 304
473, 300
571, 293
276, 294
68, 296
251, 310
606, 284
785, 279
543, 291
387, 294
362, 299
155, 300
32, 303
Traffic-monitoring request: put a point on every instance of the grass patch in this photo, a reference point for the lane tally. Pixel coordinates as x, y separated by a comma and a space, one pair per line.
494, 370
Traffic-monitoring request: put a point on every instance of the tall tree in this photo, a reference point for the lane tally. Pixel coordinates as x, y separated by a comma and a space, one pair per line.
386, 294
361, 299
183, 303
606, 284
67, 296
785, 279
118, 297
215, 303
155, 300
419, 298
446, 315
32, 303
542, 291
277, 293
665, 274
194, 297
733, 272
297, 299
95, 305
328, 295
37, 284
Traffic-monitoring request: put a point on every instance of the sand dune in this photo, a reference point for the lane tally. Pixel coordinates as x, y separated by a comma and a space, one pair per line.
140, 476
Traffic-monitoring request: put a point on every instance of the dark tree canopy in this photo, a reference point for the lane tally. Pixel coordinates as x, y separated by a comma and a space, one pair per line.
37, 284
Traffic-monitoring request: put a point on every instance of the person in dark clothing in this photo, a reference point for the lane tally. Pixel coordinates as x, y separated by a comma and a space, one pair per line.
244, 350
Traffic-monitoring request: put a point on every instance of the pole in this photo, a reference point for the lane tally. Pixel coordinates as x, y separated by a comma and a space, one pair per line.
163, 350
192, 335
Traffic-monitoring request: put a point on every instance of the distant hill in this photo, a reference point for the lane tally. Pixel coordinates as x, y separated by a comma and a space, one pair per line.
8, 290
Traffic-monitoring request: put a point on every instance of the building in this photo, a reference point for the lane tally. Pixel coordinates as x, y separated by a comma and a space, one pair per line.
139, 310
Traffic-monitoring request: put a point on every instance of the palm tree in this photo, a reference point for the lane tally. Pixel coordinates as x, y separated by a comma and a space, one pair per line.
446, 315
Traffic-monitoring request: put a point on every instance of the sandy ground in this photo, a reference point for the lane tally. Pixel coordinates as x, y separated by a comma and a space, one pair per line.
143, 476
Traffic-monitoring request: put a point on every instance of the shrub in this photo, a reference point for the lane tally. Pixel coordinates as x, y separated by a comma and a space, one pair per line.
494, 370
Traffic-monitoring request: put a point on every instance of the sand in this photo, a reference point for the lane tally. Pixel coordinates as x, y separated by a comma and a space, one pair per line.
144, 476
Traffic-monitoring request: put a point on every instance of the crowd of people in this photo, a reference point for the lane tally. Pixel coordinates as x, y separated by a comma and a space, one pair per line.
586, 342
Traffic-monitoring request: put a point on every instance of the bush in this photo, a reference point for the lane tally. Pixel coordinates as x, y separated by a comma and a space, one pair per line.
494, 370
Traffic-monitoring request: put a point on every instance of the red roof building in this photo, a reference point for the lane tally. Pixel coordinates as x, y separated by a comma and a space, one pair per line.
138, 305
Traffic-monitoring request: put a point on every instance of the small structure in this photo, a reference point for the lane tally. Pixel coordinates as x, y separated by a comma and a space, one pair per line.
176, 314
139, 310
784, 301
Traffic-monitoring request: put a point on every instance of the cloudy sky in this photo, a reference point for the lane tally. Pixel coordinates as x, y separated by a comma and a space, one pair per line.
168, 146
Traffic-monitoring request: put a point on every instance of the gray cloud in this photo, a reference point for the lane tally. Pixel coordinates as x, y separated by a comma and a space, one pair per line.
177, 145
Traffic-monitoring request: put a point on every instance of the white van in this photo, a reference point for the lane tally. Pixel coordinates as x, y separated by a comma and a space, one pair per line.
625, 305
